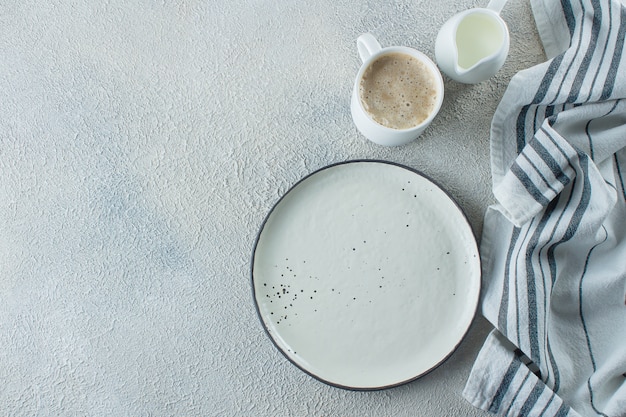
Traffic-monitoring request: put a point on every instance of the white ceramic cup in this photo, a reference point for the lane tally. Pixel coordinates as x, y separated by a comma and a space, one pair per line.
370, 50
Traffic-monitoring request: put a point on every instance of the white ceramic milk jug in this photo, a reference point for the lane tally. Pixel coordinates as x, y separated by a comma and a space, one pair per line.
473, 45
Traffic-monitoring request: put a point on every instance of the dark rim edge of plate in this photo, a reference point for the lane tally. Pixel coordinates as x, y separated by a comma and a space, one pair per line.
285, 354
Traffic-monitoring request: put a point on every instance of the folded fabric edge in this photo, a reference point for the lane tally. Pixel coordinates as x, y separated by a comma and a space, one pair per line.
537, 175
502, 384
518, 214
548, 29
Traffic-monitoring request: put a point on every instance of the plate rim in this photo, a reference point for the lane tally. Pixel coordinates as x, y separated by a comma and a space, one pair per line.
256, 303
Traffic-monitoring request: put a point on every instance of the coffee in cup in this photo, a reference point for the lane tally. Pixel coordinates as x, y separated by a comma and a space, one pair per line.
398, 91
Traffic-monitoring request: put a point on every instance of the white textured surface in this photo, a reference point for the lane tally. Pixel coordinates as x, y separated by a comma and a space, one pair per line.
142, 144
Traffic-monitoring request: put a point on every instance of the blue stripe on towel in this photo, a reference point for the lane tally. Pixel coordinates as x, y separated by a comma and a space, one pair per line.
525, 180
517, 393
549, 160
504, 385
519, 260
532, 399
540, 95
531, 282
545, 182
609, 84
619, 174
504, 303
548, 404
583, 69
604, 51
584, 198
569, 16
572, 60
583, 321
563, 411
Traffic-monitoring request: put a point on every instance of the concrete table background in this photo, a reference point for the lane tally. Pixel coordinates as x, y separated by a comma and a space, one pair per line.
141, 145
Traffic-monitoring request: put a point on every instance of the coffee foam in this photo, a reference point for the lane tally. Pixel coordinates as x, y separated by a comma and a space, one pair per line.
398, 91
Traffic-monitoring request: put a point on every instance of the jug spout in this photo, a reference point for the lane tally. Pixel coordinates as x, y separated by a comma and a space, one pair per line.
475, 66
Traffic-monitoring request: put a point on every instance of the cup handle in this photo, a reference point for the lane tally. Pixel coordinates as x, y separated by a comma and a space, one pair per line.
367, 46
496, 5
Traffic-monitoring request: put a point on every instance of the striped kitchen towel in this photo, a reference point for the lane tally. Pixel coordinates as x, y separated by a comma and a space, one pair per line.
554, 247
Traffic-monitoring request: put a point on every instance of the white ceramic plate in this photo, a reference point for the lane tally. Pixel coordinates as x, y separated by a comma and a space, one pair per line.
366, 275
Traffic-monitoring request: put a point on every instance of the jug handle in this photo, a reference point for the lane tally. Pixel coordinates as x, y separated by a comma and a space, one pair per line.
367, 46
496, 5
